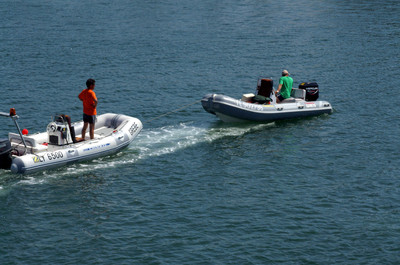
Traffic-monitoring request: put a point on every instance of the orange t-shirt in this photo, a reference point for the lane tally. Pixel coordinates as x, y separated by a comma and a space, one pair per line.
88, 97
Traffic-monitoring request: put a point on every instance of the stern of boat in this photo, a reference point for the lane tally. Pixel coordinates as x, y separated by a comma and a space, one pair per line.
207, 102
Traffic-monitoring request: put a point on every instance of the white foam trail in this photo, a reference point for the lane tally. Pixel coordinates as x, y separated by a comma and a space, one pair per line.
170, 139
152, 143
31, 181
3, 192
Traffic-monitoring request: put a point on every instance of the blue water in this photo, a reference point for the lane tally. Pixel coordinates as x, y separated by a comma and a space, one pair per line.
191, 189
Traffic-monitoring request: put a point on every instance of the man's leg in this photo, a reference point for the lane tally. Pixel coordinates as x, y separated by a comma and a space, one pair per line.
91, 128
85, 125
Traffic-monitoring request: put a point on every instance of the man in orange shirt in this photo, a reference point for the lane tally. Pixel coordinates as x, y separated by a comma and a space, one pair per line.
89, 99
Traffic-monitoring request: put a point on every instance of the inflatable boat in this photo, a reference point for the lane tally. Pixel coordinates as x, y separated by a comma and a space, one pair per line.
263, 107
58, 146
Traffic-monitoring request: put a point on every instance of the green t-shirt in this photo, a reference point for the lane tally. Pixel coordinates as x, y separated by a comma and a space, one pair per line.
287, 85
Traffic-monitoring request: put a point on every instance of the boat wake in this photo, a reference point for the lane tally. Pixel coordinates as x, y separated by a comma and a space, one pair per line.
149, 143
169, 139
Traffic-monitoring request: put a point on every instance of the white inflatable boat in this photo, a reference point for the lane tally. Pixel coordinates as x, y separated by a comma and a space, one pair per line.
303, 103
57, 147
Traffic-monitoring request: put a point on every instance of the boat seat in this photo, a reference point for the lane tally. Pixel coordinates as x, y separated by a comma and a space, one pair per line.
298, 93
29, 140
295, 96
288, 100
265, 87
33, 143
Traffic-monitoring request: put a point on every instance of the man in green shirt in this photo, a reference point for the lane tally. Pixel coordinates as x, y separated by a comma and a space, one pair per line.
285, 87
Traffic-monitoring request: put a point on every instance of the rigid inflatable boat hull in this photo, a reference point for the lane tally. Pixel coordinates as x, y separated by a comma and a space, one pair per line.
233, 110
121, 132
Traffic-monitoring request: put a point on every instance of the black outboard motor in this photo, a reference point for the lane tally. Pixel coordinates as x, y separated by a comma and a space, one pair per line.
5, 150
312, 91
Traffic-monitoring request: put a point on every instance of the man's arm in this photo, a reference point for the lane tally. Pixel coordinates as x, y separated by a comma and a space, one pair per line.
80, 96
279, 89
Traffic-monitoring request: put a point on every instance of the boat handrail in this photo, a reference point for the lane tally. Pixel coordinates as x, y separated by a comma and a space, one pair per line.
14, 117
4, 114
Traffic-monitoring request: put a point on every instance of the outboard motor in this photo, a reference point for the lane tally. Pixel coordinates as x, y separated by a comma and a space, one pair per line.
312, 90
5, 151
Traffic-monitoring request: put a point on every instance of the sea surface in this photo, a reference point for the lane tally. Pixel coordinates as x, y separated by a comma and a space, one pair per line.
191, 189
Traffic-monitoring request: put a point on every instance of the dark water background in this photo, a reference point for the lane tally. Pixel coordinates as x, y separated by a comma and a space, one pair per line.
190, 189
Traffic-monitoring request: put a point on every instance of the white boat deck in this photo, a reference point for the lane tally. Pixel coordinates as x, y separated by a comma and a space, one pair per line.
38, 143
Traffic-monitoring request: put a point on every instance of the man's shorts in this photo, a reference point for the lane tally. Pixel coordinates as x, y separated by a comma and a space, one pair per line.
91, 119
280, 97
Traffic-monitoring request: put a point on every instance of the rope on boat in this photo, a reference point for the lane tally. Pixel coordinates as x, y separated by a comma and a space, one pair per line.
165, 114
